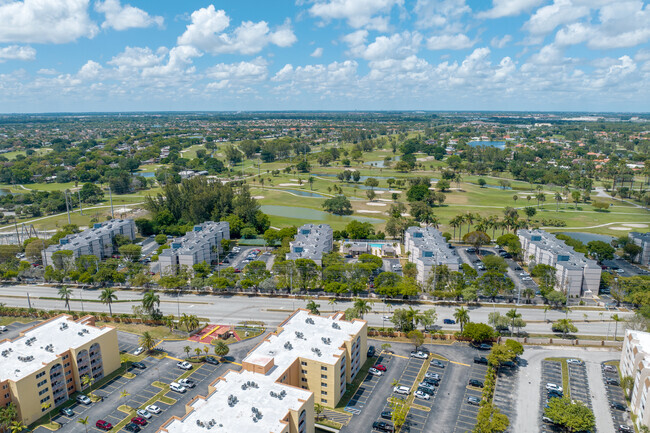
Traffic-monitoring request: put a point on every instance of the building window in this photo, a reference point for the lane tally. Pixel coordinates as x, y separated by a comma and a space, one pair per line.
7, 395
304, 379
323, 376
323, 368
42, 382
324, 392
67, 364
303, 371
323, 400
323, 384
43, 391
303, 363
39, 375
43, 400
65, 357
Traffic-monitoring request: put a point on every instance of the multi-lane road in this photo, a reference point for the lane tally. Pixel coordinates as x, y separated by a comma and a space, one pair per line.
233, 309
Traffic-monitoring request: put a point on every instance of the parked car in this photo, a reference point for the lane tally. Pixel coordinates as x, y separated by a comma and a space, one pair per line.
152, 408
382, 426
422, 395
419, 355
374, 371
426, 388
211, 360
187, 383
83, 399
471, 250
177, 387
625, 429
380, 367
475, 401
133, 428
139, 421
449, 321
555, 394
405, 390
435, 376
139, 365
3, 329
66, 411
437, 363
553, 387
143, 413
612, 381
138, 351
484, 346
371, 351
476, 383
610, 368
480, 360
431, 382
618, 406
574, 361
547, 420
526, 279
184, 365
103, 425
387, 414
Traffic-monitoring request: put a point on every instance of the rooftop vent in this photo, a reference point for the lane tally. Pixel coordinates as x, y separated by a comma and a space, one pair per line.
316, 351
309, 320
300, 335
336, 325
257, 415
26, 358
63, 326
30, 341
232, 400
288, 345
326, 340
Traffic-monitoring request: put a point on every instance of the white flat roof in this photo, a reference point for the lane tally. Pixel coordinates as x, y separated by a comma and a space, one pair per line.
240, 417
20, 359
643, 338
306, 336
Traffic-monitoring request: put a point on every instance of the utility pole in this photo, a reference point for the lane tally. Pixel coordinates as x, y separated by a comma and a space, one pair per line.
110, 193
17, 234
81, 210
29, 302
81, 296
67, 206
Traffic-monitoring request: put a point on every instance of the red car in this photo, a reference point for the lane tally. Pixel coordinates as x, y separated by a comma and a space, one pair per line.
103, 425
139, 421
380, 367
237, 270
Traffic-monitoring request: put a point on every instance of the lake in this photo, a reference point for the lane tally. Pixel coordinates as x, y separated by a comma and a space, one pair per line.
499, 144
382, 163
312, 214
145, 174
585, 238
304, 193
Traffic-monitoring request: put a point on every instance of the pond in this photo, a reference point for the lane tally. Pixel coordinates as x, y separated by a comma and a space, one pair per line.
499, 144
493, 186
364, 178
304, 193
145, 174
382, 162
313, 214
362, 186
4, 192
585, 238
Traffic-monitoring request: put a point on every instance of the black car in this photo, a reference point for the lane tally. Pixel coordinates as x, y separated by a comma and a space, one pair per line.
426, 390
508, 364
484, 346
555, 393
476, 383
387, 414
211, 360
382, 426
371, 352
612, 381
480, 360
449, 321
618, 406
132, 427
432, 382
436, 363
139, 365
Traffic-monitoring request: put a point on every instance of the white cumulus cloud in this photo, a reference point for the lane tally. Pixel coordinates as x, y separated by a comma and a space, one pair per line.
370, 14
497, 42
45, 21
206, 32
449, 42
125, 17
439, 13
317, 52
508, 8
17, 52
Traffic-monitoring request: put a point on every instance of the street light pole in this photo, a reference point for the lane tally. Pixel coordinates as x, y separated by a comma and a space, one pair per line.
81, 296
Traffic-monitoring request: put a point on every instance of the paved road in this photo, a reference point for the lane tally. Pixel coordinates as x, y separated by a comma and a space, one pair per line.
530, 382
233, 309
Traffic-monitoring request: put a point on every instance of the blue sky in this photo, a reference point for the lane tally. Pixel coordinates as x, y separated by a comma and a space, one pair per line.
117, 55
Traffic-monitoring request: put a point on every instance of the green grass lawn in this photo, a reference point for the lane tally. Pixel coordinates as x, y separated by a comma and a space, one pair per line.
12, 155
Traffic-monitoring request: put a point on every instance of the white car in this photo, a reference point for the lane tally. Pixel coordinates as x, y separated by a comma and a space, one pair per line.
143, 413
434, 376
523, 274
374, 372
387, 317
152, 408
83, 399
526, 279
419, 355
553, 387
177, 387
422, 395
574, 361
402, 390
184, 365
138, 351
187, 383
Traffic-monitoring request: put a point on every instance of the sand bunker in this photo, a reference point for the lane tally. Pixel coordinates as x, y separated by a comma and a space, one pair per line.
375, 204
619, 228
636, 225
258, 197
368, 211
289, 184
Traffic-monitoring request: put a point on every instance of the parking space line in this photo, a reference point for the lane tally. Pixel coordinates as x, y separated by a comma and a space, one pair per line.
175, 359
460, 363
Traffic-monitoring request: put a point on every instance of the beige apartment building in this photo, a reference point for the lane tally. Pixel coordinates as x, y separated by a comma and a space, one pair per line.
45, 365
635, 362
309, 359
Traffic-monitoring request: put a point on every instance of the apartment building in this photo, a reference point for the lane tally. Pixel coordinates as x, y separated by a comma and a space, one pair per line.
311, 242
202, 244
427, 248
96, 241
46, 364
309, 359
243, 401
635, 362
642, 240
575, 273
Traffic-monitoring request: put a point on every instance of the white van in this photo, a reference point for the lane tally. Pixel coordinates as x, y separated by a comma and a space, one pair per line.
174, 386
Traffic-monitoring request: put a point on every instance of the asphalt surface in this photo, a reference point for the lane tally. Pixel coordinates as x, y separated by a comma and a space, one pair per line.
228, 309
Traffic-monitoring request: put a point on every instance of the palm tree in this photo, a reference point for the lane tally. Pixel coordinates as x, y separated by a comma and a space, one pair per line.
83, 421
124, 394
362, 307
333, 301
65, 293
469, 219
150, 301
462, 316
513, 315
221, 349
187, 350
558, 199
147, 341
515, 198
311, 182
169, 322
454, 222
107, 297
528, 293
45, 406
190, 321
616, 318
198, 351
312, 306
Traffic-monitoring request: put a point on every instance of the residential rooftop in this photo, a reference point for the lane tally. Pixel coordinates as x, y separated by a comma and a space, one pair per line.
565, 254
311, 242
307, 336
43, 344
200, 236
433, 247
243, 401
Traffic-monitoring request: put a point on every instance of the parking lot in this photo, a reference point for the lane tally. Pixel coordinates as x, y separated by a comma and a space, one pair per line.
14, 329
615, 394
551, 373
467, 412
504, 393
578, 384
